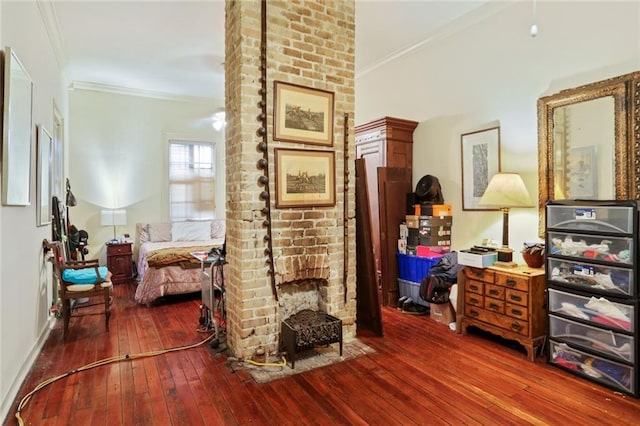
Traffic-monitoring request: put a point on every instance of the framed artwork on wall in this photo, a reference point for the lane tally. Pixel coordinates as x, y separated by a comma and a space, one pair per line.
480, 161
44, 176
305, 178
302, 114
17, 131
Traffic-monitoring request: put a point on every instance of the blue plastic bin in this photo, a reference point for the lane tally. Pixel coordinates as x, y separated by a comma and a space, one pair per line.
414, 268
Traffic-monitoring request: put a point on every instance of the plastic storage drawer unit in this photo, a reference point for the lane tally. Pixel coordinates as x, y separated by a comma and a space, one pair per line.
606, 342
593, 367
599, 311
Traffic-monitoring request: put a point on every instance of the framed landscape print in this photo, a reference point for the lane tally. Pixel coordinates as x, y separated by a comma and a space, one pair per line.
480, 161
305, 178
302, 114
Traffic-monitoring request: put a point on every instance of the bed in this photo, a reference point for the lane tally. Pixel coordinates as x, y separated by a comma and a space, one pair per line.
165, 263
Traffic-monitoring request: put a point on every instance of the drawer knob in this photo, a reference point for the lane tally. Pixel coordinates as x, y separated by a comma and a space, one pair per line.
474, 313
493, 292
474, 300
473, 287
516, 326
516, 298
511, 282
516, 312
494, 306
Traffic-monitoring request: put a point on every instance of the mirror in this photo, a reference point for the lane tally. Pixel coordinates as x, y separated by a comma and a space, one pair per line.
16, 131
588, 143
44, 181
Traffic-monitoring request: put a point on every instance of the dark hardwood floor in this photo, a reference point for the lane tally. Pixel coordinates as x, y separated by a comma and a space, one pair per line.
421, 373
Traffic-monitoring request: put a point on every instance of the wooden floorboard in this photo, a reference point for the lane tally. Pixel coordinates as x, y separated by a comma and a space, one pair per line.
419, 373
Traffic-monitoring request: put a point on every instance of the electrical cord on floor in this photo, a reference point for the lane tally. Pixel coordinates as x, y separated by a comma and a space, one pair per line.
119, 358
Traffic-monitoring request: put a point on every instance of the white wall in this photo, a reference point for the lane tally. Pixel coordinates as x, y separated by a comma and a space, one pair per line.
25, 285
117, 157
492, 72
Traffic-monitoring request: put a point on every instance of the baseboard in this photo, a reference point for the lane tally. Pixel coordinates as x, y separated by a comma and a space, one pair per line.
12, 393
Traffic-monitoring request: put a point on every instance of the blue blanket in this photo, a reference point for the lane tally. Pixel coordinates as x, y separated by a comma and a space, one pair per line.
84, 276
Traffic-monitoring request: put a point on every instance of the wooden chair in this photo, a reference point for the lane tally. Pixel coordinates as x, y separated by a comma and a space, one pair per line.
78, 280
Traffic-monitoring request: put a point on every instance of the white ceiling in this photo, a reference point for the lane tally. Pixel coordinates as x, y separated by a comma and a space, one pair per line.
177, 47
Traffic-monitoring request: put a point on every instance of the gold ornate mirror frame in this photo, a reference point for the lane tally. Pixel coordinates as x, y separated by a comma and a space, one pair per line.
625, 90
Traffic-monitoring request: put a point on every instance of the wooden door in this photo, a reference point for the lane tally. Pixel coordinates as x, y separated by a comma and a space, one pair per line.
394, 183
369, 316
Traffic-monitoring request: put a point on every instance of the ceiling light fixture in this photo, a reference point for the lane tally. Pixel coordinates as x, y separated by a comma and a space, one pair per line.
218, 120
534, 28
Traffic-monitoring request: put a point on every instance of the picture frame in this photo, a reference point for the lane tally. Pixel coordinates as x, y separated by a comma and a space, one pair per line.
582, 177
480, 161
305, 178
302, 114
44, 176
17, 131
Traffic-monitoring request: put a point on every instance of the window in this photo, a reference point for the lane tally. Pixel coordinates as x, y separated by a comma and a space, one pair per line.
192, 182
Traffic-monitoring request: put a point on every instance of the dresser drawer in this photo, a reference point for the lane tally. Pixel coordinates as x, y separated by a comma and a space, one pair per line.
513, 281
494, 291
516, 311
473, 286
518, 297
481, 274
118, 249
494, 305
473, 299
498, 320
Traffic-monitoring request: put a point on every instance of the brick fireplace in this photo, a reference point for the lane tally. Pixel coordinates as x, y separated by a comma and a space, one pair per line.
285, 260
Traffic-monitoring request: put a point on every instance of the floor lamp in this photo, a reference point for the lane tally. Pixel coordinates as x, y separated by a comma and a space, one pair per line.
505, 190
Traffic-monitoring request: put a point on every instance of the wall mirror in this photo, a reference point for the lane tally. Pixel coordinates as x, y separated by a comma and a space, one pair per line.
44, 181
588, 143
16, 131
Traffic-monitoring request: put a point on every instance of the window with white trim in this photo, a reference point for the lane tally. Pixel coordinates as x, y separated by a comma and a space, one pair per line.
192, 180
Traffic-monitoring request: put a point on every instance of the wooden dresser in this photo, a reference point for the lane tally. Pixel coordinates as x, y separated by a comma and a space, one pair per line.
508, 302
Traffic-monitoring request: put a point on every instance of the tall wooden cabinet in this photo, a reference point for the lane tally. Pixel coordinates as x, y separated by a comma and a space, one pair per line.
386, 145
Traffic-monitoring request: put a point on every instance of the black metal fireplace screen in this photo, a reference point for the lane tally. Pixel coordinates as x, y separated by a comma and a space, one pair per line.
308, 329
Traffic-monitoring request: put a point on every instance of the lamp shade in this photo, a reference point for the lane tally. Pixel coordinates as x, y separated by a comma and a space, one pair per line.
506, 190
113, 217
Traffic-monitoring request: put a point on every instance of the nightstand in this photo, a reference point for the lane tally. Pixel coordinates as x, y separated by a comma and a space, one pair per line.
120, 262
508, 302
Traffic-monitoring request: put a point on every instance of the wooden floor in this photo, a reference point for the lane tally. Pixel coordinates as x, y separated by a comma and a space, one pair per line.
421, 373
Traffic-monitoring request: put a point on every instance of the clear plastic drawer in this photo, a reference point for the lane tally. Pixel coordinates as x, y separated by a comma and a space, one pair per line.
612, 280
597, 310
592, 338
606, 219
606, 248
608, 373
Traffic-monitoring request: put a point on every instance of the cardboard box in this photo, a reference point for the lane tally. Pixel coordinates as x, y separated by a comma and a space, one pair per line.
426, 221
467, 258
412, 221
435, 209
404, 231
442, 313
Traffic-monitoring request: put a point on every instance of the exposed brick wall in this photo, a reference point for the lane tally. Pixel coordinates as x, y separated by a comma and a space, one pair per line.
309, 43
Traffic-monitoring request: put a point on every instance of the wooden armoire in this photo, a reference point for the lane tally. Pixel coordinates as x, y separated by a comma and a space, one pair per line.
386, 145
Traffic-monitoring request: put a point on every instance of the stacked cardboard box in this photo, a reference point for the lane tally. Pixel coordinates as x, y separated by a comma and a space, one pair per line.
424, 235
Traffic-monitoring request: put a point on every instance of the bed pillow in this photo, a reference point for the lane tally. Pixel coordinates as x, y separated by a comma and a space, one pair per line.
159, 232
191, 231
142, 230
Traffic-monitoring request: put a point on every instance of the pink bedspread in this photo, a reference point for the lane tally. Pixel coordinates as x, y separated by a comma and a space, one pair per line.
168, 280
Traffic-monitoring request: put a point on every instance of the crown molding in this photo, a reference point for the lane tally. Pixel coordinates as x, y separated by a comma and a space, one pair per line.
119, 90
50, 21
454, 27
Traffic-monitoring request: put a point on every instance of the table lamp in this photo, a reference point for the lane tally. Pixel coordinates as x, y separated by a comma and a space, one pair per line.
113, 218
505, 190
